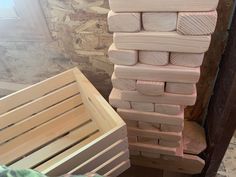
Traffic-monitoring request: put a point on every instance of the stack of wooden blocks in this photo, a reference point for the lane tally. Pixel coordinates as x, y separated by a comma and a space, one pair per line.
158, 49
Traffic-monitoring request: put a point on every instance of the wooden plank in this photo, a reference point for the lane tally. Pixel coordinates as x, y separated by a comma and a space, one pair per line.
150, 87
145, 107
166, 98
40, 118
151, 117
188, 164
156, 58
180, 88
118, 169
196, 23
101, 157
168, 73
168, 109
124, 22
22, 145
162, 41
37, 105
76, 155
122, 57
116, 101
56, 147
186, 59
123, 84
35, 91
162, 5
150, 133
160, 21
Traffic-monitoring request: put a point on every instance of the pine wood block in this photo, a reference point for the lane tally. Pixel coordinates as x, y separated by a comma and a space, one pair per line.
154, 58
186, 59
116, 101
124, 22
150, 155
162, 41
150, 87
172, 128
196, 23
148, 126
169, 143
122, 57
123, 84
180, 88
140, 106
161, 21
149, 117
168, 73
162, 5
147, 140
168, 109
166, 98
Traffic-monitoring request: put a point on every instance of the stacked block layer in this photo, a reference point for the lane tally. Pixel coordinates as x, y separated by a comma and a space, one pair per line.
158, 49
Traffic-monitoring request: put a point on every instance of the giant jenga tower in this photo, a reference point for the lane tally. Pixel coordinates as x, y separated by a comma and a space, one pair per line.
158, 48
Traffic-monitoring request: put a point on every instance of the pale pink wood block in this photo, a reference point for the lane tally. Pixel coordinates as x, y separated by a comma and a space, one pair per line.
159, 21
122, 57
154, 58
187, 59
123, 84
150, 155
116, 101
181, 88
147, 140
169, 143
162, 41
124, 22
162, 5
197, 23
150, 87
140, 106
168, 109
172, 128
149, 117
168, 73
166, 98
148, 126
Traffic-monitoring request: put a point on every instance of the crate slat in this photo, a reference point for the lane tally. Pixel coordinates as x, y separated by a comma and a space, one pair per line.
118, 169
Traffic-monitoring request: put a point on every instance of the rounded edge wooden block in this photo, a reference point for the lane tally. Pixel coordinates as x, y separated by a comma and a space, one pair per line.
116, 101
180, 88
150, 88
140, 106
123, 84
154, 58
168, 109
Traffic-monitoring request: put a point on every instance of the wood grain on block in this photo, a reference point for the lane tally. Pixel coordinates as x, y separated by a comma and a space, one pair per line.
169, 143
149, 117
196, 23
168, 109
122, 57
194, 138
147, 140
168, 73
154, 58
160, 21
172, 128
162, 5
186, 59
150, 155
140, 106
116, 101
166, 98
124, 22
162, 41
180, 88
123, 84
150, 87
148, 126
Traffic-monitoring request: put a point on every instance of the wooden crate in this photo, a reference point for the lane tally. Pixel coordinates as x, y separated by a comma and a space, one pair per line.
62, 125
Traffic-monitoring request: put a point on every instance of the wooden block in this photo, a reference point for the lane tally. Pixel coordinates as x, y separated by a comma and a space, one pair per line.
147, 140
148, 126
186, 59
162, 41
149, 117
196, 23
150, 87
161, 21
123, 84
172, 128
116, 101
131, 123
180, 88
154, 58
168, 109
124, 22
134, 153
194, 138
132, 138
162, 5
140, 106
169, 143
166, 98
168, 73
150, 155
122, 57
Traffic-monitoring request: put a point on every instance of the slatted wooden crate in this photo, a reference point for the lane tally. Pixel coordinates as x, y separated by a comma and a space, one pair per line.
62, 125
